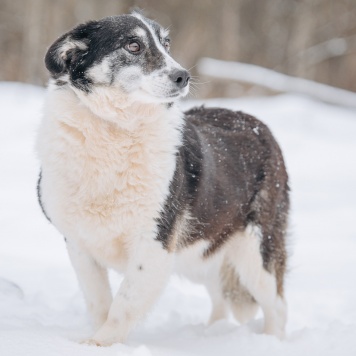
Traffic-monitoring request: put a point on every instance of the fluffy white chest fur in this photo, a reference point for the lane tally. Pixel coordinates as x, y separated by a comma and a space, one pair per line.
105, 185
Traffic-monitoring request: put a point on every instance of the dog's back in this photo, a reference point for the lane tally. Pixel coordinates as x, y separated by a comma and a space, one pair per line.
230, 193
243, 179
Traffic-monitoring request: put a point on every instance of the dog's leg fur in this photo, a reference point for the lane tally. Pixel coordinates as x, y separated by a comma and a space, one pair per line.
245, 256
94, 283
241, 302
146, 276
219, 304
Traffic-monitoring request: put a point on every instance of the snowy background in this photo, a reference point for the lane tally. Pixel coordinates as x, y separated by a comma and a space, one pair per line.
45, 315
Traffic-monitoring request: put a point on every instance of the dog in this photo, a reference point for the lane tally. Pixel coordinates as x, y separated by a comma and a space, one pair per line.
136, 185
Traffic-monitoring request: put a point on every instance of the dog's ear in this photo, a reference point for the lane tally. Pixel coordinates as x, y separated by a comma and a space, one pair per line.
67, 51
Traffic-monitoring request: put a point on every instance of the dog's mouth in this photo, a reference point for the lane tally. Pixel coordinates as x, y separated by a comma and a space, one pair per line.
174, 95
165, 97
179, 93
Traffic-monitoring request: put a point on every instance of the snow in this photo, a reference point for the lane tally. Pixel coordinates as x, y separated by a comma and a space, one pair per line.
41, 308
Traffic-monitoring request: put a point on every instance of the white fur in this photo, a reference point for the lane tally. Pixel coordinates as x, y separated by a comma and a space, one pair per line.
170, 62
147, 272
93, 281
98, 177
164, 32
101, 72
130, 85
243, 252
103, 187
70, 44
191, 263
140, 32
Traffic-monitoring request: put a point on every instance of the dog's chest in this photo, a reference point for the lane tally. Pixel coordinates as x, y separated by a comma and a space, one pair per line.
105, 187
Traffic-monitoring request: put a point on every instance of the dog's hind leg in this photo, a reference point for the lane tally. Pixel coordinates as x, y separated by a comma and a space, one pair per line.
245, 256
241, 302
219, 303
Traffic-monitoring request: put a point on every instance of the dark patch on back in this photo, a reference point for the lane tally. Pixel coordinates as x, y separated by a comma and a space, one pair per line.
229, 174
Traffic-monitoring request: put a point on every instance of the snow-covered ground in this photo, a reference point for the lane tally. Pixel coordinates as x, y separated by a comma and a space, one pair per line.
46, 316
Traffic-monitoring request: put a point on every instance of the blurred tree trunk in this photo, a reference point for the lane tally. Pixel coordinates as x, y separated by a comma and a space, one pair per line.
314, 39
29, 27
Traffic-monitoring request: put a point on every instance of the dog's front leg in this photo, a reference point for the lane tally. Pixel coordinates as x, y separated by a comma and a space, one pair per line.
147, 273
93, 280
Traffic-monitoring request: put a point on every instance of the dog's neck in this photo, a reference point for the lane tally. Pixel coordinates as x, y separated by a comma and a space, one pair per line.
113, 108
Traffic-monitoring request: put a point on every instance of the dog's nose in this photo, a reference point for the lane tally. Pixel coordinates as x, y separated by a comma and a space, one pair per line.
180, 77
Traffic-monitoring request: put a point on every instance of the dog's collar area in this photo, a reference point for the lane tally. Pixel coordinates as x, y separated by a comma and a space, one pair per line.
60, 83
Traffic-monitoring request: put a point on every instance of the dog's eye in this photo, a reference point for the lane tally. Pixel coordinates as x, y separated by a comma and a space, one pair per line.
133, 47
167, 45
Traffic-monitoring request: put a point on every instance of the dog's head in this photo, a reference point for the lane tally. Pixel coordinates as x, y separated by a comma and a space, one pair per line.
127, 54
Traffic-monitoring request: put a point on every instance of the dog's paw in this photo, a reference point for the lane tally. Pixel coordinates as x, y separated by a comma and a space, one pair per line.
100, 343
91, 342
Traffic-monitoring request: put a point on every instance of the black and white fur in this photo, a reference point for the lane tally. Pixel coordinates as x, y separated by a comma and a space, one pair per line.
136, 185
